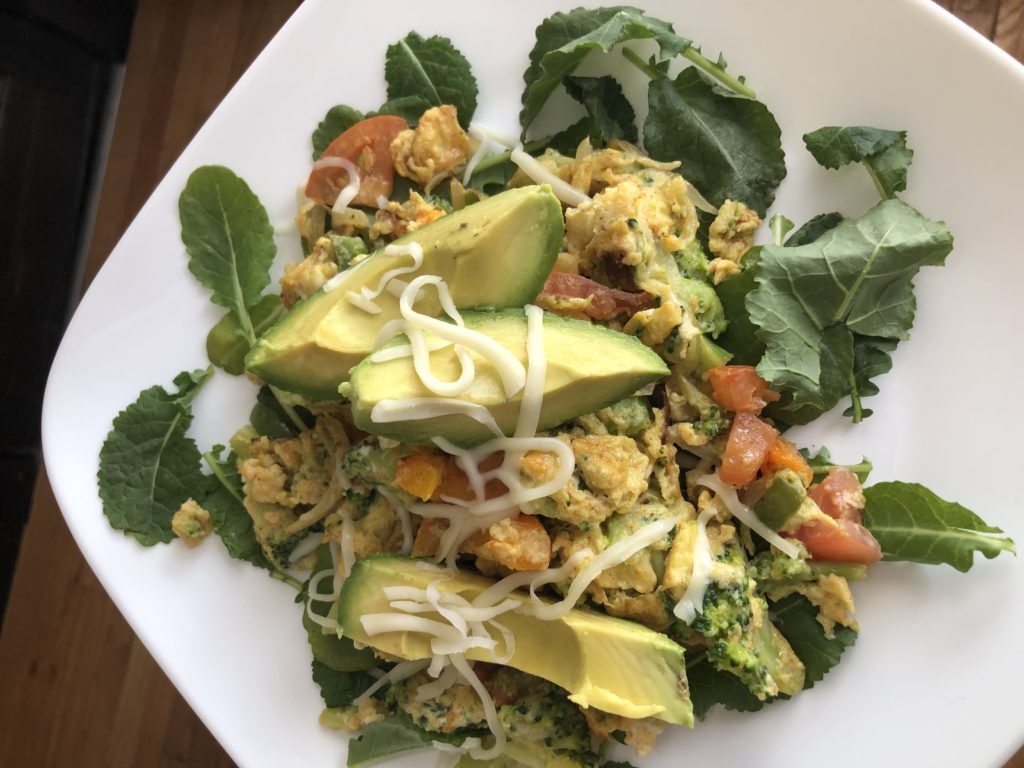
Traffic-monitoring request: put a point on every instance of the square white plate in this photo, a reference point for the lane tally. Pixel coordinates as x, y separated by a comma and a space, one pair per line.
935, 677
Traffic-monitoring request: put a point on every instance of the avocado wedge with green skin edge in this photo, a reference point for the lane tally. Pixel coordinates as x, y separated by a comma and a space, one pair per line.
495, 253
611, 664
589, 367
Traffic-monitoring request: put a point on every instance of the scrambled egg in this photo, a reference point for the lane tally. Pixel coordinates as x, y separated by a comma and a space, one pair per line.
436, 147
397, 219
730, 236
191, 523
308, 276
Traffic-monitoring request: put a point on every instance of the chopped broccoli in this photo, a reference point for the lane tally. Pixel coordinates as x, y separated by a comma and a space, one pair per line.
546, 729
345, 249
773, 568
711, 418
372, 465
629, 416
740, 637
692, 261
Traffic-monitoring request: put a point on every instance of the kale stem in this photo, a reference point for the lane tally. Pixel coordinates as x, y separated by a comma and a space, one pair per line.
213, 462
734, 84
780, 227
292, 415
289, 580
637, 61
877, 181
858, 413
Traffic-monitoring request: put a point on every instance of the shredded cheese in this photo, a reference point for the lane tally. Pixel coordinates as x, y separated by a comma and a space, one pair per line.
347, 193
532, 167
403, 518
692, 601
745, 514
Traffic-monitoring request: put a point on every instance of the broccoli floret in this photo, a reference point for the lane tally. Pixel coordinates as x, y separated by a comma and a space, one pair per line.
345, 249
692, 261
711, 419
741, 639
773, 568
372, 465
545, 728
629, 416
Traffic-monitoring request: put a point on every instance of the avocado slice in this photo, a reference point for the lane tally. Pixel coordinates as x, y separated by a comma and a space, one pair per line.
782, 499
611, 664
495, 253
588, 367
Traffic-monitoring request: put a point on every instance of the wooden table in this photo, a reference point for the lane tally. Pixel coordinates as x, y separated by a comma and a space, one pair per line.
77, 686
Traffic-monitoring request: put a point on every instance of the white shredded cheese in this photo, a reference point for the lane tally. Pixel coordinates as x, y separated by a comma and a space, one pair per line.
532, 167
746, 515
403, 518
347, 193
692, 601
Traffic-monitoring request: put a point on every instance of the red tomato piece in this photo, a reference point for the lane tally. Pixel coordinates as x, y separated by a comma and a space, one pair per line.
605, 303
839, 495
849, 542
745, 451
367, 146
739, 389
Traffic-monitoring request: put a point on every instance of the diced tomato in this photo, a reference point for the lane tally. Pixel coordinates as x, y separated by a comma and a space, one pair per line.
367, 146
784, 455
745, 451
839, 495
739, 389
847, 542
605, 303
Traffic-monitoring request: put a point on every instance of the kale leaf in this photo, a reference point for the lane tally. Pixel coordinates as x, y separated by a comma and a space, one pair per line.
226, 345
565, 39
338, 689
224, 502
337, 120
821, 464
740, 336
796, 619
884, 153
229, 240
610, 114
384, 738
814, 228
731, 147
433, 70
710, 686
913, 524
816, 304
148, 466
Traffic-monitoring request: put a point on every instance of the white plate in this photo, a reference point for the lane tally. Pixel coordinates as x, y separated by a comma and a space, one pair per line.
935, 677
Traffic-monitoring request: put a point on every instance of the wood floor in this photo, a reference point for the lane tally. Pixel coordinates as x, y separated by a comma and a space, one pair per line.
76, 686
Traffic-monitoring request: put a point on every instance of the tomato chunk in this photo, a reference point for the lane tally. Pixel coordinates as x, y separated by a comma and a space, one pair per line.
367, 146
839, 495
784, 455
605, 302
739, 389
847, 542
746, 449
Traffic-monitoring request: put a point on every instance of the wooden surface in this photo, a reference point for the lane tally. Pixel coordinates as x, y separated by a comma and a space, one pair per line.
77, 686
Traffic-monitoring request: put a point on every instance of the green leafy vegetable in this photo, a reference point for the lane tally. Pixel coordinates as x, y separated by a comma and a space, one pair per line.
409, 108
884, 153
337, 653
148, 466
224, 502
709, 686
565, 39
431, 69
814, 228
384, 738
731, 148
226, 345
610, 114
815, 303
740, 336
912, 523
338, 689
821, 464
337, 120
871, 358
796, 619
229, 240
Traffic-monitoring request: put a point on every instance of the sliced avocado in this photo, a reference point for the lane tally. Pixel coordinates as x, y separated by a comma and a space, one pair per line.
782, 499
588, 367
496, 253
611, 664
